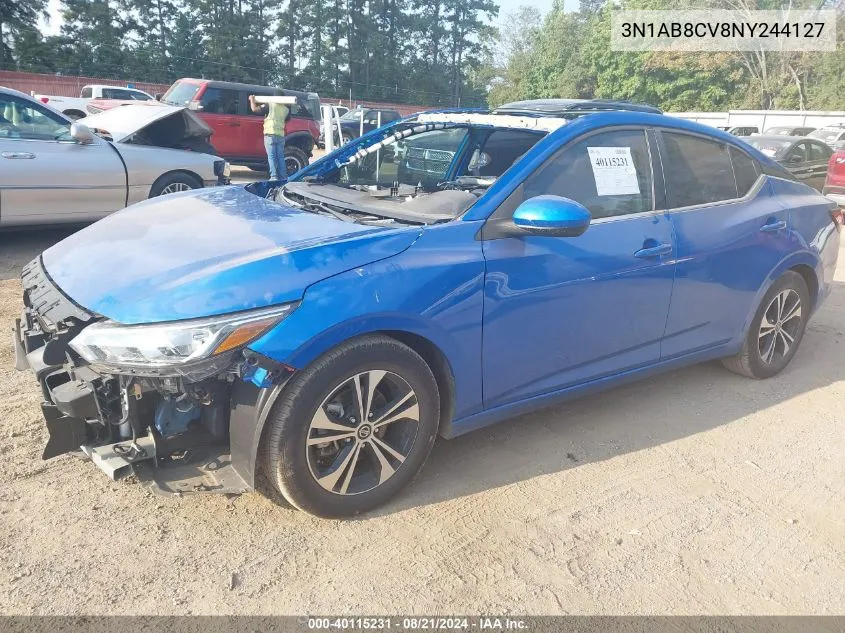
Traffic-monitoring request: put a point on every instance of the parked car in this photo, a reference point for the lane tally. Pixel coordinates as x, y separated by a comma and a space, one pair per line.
238, 131
805, 158
832, 135
788, 130
76, 107
56, 170
351, 122
322, 332
744, 130
834, 186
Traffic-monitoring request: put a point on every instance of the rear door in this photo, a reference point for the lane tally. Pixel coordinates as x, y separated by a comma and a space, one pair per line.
219, 108
45, 176
730, 234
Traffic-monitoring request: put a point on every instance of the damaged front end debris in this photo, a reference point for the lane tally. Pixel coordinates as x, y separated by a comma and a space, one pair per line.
155, 400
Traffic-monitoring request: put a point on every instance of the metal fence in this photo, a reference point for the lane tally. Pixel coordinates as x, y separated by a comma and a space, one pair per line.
70, 86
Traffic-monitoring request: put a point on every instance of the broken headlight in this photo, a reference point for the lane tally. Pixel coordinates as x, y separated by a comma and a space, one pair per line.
194, 348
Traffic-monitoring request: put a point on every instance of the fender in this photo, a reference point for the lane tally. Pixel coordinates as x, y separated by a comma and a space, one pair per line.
805, 258
251, 405
301, 139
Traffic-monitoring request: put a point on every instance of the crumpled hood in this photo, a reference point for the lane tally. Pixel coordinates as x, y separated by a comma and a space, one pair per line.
209, 252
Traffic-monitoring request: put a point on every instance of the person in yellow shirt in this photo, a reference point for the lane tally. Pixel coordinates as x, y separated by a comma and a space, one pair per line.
275, 115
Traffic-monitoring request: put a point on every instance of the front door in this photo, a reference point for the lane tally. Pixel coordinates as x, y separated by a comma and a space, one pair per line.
46, 176
559, 311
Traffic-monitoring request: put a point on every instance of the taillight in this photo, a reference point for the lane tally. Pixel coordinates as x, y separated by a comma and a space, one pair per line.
44, 99
838, 217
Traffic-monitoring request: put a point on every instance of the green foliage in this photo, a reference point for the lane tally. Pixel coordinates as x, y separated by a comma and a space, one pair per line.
417, 51
568, 55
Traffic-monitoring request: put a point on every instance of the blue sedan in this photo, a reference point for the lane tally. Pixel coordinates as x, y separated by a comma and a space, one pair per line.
324, 330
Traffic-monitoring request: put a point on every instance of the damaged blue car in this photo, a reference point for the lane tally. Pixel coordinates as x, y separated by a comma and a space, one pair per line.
439, 274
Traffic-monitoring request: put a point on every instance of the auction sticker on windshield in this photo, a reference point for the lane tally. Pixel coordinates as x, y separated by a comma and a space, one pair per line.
614, 171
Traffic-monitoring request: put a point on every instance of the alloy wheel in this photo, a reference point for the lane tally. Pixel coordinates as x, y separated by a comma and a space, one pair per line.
779, 326
176, 187
361, 434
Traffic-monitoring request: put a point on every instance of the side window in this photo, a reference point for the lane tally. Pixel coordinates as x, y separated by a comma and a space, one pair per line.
501, 149
138, 96
818, 152
219, 101
25, 120
745, 171
609, 173
116, 93
798, 154
697, 171
257, 93
86, 92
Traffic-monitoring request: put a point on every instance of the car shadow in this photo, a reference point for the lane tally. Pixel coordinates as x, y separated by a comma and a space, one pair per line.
19, 247
655, 411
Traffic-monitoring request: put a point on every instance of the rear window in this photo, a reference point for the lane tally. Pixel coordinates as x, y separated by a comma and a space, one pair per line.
745, 171
181, 93
771, 147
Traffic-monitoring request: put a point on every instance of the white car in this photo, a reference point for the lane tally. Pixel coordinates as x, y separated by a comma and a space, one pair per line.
55, 170
833, 135
76, 107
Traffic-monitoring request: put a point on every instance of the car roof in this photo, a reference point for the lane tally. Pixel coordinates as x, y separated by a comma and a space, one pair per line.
234, 85
568, 107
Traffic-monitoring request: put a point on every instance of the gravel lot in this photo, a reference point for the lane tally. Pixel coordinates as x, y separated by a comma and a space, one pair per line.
695, 492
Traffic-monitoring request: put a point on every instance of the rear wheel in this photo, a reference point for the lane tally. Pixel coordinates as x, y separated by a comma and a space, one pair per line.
353, 428
776, 330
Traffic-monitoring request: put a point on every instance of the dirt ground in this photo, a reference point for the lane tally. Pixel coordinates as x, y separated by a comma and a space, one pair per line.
697, 492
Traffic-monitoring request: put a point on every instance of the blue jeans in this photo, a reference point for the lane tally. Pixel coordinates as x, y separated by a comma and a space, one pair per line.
275, 146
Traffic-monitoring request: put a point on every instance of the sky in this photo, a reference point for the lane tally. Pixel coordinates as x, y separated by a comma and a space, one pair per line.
507, 6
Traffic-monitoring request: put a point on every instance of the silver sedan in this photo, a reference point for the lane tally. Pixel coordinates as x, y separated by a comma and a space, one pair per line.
53, 170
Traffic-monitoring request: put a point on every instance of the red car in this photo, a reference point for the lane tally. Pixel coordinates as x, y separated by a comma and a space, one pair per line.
834, 185
239, 132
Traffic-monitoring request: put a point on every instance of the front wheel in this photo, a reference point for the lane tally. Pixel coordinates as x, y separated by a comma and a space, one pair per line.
295, 159
353, 428
174, 183
776, 330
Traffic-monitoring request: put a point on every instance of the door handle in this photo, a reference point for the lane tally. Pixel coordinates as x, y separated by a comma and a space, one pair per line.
773, 227
18, 155
654, 251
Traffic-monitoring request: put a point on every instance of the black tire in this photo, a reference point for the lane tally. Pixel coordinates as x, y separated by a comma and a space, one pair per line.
290, 463
295, 159
174, 180
764, 355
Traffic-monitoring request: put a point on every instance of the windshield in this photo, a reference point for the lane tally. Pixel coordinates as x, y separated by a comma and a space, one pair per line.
826, 135
181, 93
781, 131
772, 147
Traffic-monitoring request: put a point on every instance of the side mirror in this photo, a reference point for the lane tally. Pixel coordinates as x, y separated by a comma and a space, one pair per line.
82, 134
158, 96
795, 159
554, 216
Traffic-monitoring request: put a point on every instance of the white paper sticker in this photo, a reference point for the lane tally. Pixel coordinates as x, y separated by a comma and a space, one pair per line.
614, 171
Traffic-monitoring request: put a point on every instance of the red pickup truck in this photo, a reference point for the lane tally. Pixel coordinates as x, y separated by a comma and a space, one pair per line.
239, 132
